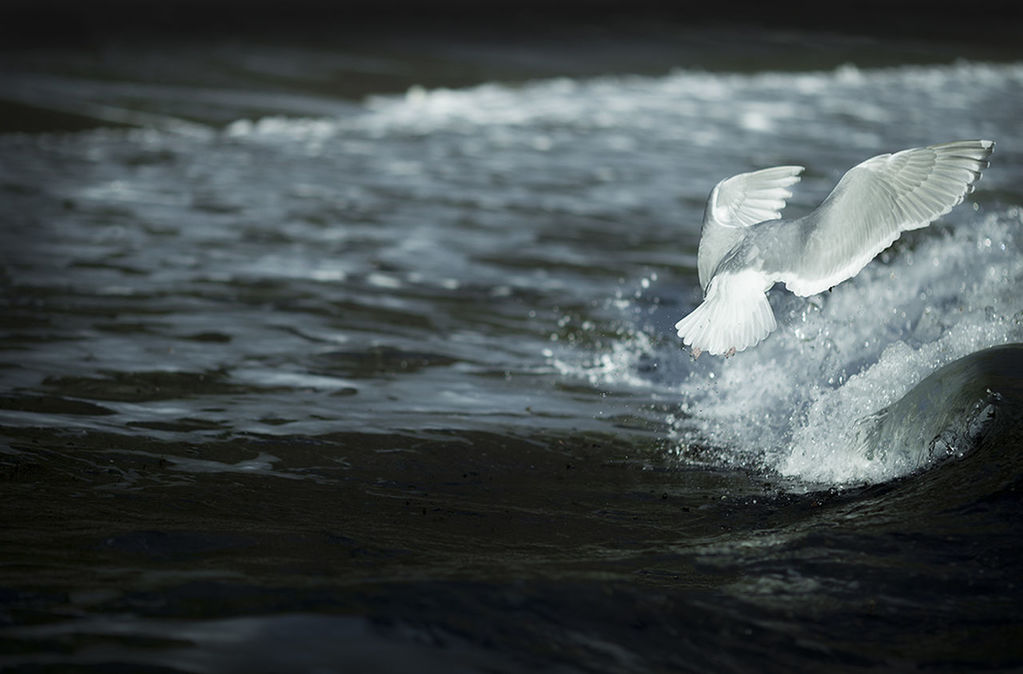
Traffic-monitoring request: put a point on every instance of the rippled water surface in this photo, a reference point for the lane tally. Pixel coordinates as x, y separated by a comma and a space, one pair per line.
395, 388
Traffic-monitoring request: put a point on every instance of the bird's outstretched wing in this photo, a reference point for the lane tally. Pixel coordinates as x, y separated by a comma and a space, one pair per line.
873, 204
737, 202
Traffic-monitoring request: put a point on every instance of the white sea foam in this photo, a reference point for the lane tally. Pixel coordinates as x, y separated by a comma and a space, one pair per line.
797, 399
701, 107
795, 404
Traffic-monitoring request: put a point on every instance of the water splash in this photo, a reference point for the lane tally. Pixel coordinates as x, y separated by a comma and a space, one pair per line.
799, 401
807, 402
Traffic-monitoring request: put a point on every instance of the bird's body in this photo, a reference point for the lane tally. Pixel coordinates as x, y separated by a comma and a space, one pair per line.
745, 246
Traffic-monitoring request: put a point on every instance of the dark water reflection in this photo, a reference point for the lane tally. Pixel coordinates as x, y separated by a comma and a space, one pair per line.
390, 385
473, 551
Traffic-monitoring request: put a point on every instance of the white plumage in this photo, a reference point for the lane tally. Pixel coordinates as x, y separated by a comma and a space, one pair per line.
745, 248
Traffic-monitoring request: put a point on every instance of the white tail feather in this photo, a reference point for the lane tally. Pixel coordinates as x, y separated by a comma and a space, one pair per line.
734, 316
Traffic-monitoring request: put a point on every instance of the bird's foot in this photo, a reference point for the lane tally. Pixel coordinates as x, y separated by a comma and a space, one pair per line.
730, 352
696, 352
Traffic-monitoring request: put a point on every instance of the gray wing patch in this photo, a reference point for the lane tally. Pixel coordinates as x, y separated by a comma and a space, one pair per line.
874, 203
737, 203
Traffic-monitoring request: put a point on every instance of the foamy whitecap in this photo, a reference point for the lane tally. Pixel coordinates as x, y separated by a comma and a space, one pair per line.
802, 395
696, 105
800, 403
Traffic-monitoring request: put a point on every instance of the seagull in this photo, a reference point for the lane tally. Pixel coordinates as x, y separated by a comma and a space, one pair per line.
746, 247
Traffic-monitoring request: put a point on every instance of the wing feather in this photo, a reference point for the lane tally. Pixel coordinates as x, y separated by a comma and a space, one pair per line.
748, 198
875, 202
739, 202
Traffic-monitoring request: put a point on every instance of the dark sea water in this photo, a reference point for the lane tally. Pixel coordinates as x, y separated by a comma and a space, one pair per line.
315, 382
